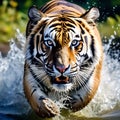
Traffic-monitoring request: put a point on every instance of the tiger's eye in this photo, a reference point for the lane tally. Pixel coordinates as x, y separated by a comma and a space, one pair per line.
75, 43
49, 43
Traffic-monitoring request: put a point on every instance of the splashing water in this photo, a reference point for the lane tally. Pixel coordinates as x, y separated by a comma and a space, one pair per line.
12, 99
107, 98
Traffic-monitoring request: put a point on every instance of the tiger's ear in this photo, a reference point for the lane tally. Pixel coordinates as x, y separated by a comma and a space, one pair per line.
91, 15
34, 14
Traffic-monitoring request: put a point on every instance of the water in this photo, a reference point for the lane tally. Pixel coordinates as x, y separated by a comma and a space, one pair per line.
13, 105
12, 100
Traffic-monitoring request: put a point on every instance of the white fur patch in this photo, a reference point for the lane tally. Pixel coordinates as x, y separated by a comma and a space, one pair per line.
62, 87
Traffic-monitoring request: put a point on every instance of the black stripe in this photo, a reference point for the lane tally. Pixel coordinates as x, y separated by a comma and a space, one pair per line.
45, 60
37, 42
74, 66
87, 63
82, 31
39, 55
70, 25
56, 24
80, 97
33, 91
50, 71
74, 72
92, 46
41, 98
55, 28
71, 30
42, 28
53, 20
47, 6
31, 47
47, 35
70, 20
86, 57
86, 40
52, 4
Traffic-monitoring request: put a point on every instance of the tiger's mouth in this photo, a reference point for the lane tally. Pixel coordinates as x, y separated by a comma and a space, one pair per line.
61, 80
62, 83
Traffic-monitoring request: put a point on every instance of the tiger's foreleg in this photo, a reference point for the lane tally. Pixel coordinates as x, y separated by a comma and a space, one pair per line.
80, 98
42, 105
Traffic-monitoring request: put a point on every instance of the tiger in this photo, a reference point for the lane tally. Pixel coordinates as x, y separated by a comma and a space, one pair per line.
63, 57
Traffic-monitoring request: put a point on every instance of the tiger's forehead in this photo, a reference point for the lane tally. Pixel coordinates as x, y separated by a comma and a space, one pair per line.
62, 35
62, 29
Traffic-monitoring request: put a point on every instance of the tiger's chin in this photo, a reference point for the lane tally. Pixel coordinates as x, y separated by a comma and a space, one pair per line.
62, 84
62, 87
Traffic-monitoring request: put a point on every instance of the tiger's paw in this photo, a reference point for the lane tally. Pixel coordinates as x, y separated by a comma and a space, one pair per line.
47, 108
74, 105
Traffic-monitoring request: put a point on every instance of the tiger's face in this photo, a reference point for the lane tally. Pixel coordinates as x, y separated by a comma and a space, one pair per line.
61, 53
66, 49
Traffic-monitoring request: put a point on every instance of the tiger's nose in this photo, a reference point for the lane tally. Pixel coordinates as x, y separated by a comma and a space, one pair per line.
61, 68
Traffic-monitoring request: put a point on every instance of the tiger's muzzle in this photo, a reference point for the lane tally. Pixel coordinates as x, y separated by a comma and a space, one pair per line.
61, 74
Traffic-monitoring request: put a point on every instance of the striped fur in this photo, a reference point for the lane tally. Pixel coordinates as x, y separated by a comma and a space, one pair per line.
63, 57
